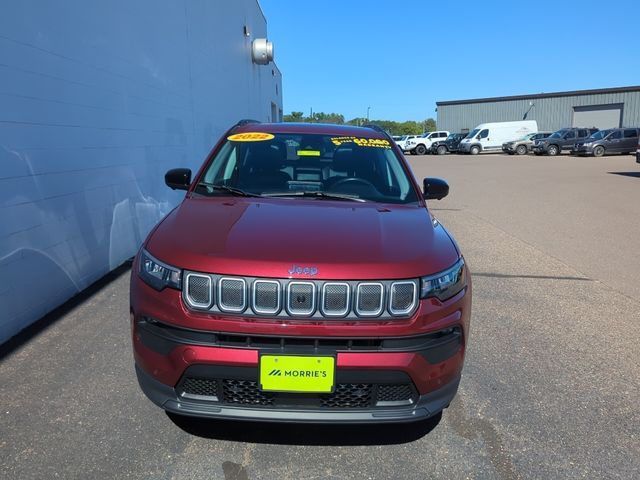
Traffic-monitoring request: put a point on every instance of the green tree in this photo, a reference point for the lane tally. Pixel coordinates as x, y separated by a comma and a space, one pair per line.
321, 117
430, 125
294, 117
409, 127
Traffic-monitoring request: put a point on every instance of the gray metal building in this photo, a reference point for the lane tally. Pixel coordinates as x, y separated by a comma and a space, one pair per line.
602, 108
98, 101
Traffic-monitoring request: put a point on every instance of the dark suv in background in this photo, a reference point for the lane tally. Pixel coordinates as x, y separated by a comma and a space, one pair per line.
450, 145
614, 140
563, 139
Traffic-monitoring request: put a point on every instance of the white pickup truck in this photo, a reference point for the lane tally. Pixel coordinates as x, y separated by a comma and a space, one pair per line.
402, 141
422, 144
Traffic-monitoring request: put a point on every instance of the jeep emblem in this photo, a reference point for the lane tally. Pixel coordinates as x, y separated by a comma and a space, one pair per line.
297, 270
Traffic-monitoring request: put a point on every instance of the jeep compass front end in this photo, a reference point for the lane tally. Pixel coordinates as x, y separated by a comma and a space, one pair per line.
302, 278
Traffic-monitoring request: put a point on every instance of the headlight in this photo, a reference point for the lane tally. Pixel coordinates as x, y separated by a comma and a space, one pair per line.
444, 285
157, 274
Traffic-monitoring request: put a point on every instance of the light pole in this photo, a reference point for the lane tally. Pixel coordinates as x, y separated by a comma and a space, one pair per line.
368, 108
531, 105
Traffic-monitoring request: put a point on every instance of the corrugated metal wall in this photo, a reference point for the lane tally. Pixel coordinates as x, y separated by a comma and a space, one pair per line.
97, 101
551, 113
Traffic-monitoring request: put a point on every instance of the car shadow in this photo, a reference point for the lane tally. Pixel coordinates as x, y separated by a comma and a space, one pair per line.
305, 433
626, 174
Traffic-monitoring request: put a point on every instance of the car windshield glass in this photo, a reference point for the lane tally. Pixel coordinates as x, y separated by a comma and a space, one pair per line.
311, 165
557, 134
600, 134
472, 133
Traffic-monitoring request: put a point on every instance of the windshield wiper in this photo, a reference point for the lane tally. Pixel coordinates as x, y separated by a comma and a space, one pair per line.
227, 188
328, 196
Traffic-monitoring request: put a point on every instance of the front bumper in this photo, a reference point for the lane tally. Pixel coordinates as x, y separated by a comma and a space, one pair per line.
582, 150
464, 147
508, 148
425, 406
538, 149
386, 379
638, 156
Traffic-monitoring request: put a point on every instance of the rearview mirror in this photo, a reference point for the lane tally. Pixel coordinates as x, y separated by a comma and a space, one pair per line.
178, 178
435, 188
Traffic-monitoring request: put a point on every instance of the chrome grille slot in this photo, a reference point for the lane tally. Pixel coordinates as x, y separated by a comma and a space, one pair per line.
199, 290
266, 297
402, 297
301, 298
336, 299
369, 299
232, 294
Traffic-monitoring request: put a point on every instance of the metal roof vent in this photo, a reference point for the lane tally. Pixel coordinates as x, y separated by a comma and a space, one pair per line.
262, 51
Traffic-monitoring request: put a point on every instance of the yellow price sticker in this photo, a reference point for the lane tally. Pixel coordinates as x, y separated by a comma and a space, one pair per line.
362, 142
308, 153
250, 137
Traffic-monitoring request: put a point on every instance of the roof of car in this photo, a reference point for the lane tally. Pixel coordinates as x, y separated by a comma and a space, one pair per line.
319, 128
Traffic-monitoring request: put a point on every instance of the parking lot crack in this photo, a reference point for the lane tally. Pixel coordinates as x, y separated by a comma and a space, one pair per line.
472, 428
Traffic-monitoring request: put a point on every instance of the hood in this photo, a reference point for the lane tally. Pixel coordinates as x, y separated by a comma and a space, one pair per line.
272, 237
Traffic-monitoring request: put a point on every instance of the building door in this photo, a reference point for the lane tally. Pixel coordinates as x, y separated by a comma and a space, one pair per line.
599, 116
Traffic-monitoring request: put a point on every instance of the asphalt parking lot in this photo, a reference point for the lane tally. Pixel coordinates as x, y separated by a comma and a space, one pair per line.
550, 387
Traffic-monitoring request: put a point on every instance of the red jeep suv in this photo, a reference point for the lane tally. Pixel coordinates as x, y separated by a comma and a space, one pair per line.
302, 278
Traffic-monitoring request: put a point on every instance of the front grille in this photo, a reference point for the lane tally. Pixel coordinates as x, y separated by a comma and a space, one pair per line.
199, 387
335, 299
394, 393
349, 395
232, 294
266, 296
199, 290
345, 396
244, 392
301, 298
403, 296
369, 299
314, 299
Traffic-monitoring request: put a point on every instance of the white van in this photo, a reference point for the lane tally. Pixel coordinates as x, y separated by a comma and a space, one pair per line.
489, 137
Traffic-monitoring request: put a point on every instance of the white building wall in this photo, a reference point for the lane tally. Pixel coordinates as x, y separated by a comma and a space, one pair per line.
97, 101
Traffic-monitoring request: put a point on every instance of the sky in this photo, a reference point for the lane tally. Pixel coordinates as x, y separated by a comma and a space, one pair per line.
400, 57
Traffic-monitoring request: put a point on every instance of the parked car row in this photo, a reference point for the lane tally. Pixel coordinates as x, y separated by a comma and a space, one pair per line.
607, 142
522, 137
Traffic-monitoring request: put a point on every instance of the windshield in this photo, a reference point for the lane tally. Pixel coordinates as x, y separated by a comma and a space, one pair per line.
600, 134
557, 134
319, 166
472, 133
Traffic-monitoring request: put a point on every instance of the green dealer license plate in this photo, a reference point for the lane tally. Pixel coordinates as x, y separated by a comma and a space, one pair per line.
292, 373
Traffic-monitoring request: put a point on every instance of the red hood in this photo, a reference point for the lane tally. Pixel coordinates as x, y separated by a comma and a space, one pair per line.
267, 237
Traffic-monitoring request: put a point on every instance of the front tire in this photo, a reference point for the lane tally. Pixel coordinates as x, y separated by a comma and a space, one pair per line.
442, 150
421, 149
598, 151
521, 149
475, 150
553, 150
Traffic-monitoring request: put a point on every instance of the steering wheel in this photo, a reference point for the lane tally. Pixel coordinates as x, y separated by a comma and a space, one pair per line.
353, 181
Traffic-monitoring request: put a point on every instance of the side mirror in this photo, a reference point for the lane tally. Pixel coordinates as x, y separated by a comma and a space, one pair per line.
435, 188
178, 178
